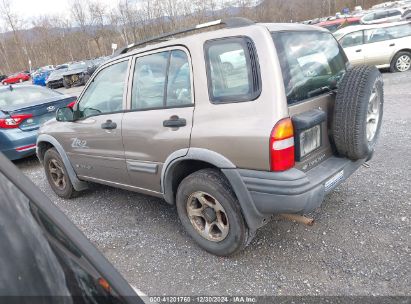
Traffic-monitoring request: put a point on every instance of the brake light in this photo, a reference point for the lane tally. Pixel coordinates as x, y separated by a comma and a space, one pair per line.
14, 121
71, 104
282, 146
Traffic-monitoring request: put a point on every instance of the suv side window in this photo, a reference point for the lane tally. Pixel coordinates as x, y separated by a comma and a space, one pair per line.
352, 39
105, 92
232, 70
161, 80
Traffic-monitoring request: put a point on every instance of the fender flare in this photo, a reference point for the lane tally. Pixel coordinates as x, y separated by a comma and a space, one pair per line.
252, 216
77, 184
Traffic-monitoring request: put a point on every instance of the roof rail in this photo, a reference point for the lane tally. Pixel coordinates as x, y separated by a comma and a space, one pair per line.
229, 23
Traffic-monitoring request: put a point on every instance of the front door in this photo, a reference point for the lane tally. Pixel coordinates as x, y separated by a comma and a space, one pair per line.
353, 44
160, 118
94, 143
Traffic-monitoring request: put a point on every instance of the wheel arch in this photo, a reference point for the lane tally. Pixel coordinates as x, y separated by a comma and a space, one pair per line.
45, 142
184, 162
408, 50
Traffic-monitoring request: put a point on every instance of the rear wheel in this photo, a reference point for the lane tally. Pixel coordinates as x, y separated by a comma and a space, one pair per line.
401, 62
211, 214
20, 80
358, 112
57, 174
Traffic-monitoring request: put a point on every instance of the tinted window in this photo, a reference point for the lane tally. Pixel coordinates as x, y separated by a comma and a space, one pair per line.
380, 15
312, 63
393, 13
232, 70
162, 80
105, 92
352, 39
24, 95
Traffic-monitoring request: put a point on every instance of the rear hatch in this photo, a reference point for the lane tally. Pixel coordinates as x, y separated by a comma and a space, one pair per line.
31, 115
312, 64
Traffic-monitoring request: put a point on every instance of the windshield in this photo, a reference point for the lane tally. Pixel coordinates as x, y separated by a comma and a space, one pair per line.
24, 95
312, 63
75, 66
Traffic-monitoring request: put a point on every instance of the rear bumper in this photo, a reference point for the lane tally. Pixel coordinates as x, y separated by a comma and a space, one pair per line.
294, 191
13, 142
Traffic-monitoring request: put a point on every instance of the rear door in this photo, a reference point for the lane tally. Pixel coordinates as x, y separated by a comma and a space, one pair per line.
378, 47
93, 142
353, 44
161, 111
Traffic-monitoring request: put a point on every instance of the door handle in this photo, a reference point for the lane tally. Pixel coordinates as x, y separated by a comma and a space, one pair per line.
109, 125
392, 44
359, 50
174, 122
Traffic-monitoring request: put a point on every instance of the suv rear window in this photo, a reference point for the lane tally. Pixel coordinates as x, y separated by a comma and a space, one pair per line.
232, 70
312, 63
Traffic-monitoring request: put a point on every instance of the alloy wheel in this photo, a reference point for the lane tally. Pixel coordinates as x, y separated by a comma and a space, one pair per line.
57, 174
207, 216
403, 63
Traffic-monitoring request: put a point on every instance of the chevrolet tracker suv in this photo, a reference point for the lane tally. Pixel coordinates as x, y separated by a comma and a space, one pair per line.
230, 147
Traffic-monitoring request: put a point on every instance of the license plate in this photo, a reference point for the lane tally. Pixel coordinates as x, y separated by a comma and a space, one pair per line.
310, 140
332, 182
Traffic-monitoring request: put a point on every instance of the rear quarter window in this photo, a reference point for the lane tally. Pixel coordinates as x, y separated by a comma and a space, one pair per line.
232, 70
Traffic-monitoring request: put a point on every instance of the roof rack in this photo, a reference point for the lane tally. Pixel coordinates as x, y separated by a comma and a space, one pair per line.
229, 23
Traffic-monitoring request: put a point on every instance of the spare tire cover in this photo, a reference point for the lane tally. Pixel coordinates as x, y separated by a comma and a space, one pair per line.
358, 112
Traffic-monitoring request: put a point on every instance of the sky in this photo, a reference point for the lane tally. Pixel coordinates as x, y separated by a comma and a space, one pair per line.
29, 9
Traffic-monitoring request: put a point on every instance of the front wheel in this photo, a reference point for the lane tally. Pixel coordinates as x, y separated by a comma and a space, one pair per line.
401, 62
210, 212
57, 175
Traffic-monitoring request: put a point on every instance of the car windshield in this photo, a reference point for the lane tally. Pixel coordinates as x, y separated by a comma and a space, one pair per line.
75, 66
24, 95
312, 63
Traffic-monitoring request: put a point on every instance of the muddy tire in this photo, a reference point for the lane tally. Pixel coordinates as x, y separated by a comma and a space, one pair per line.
401, 62
358, 112
57, 175
210, 213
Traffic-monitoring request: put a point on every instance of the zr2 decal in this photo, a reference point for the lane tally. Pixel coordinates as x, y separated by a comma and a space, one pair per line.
78, 143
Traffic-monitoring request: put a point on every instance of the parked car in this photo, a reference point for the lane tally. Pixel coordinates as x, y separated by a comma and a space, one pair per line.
76, 74
229, 148
55, 79
15, 78
333, 25
383, 45
382, 16
41, 75
95, 63
22, 110
43, 256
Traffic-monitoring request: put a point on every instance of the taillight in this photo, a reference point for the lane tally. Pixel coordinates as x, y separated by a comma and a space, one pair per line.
13, 121
71, 104
282, 146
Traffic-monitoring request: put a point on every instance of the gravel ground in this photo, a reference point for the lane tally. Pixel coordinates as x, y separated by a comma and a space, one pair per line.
360, 244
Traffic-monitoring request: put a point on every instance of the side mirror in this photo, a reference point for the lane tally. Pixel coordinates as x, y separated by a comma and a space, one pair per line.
65, 114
